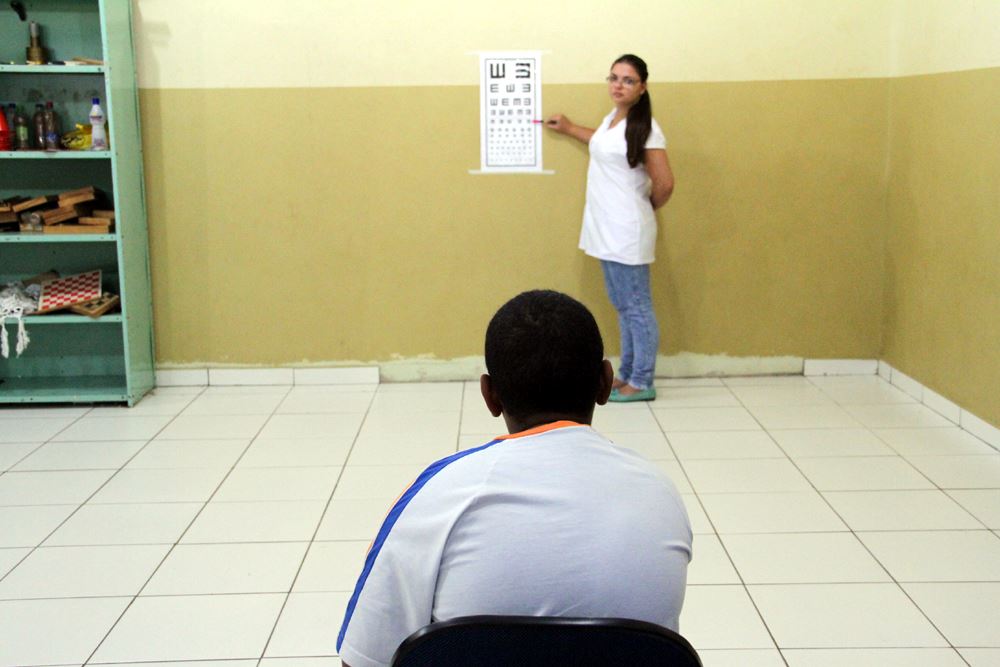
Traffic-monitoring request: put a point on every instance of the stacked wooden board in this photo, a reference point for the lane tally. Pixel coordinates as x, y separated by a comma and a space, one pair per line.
82, 211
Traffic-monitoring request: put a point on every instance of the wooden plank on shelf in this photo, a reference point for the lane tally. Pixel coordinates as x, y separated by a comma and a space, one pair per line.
33, 203
7, 205
64, 213
96, 220
79, 198
77, 229
86, 190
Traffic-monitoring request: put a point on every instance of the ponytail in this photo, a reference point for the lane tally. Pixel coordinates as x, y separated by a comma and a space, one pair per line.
638, 126
639, 122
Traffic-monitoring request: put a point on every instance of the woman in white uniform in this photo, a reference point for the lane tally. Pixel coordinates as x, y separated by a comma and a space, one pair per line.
628, 179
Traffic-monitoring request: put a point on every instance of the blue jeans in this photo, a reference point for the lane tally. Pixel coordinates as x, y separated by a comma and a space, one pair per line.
628, 289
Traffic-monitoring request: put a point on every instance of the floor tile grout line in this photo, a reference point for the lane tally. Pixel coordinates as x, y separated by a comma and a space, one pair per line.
725, 549
911, 401
50, 439
22, 459
826, 501
891, 576
696, 494
80, 505
893, 580
934, 484
718, 537
319, 524
179, 538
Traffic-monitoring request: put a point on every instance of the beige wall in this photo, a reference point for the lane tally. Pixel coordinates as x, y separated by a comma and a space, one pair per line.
352, 230
942, 272
310, 200
943, 242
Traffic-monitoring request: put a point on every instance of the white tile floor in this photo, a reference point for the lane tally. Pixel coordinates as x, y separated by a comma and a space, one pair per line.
837, 521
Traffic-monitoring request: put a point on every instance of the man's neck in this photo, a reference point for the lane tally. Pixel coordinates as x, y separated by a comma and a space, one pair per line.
518, 424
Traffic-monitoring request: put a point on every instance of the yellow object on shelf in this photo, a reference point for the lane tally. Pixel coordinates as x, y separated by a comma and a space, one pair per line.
78, 139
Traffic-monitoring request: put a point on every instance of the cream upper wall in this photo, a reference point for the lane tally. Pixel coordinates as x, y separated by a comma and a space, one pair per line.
324, 43
319, 43
935, 36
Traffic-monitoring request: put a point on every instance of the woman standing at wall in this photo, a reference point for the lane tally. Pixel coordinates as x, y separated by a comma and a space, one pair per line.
628, 179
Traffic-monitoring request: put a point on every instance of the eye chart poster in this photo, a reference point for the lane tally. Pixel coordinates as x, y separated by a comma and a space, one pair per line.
510, 102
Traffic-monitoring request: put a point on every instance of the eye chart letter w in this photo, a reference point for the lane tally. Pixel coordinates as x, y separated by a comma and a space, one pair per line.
510, 101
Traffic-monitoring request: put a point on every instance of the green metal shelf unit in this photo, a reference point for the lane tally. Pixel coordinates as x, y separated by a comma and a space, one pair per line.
76, 359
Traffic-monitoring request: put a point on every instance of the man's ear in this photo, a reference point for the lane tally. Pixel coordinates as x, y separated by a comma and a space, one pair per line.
489, 396
607, 378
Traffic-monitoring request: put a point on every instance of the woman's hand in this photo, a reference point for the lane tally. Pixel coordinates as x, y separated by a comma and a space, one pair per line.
661, 175
559, 123
563, 125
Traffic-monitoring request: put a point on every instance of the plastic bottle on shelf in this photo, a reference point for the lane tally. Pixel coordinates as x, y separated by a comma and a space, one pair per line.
98, 135
51, 128
4, 131
21, 132
38, 125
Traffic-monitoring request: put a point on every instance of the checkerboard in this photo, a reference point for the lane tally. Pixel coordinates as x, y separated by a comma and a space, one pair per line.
65, 292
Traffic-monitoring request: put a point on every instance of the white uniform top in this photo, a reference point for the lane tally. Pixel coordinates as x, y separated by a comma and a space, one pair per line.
619, 223
554, 521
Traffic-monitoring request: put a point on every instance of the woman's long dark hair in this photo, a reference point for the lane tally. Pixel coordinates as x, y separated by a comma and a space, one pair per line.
639, 123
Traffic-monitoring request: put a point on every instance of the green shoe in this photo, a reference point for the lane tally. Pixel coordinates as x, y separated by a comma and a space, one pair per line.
644, 395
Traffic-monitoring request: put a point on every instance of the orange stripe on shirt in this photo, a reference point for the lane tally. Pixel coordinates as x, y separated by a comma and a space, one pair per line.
565, 423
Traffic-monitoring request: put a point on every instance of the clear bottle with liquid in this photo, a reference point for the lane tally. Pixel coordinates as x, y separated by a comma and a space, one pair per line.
98, 134
51, 128
38, 128
20, 130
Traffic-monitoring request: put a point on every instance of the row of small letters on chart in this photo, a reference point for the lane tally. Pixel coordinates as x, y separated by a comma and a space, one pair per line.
509, 88
510, 101
510, 112
512, 132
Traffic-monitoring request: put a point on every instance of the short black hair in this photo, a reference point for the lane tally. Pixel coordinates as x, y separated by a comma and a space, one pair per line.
544, 354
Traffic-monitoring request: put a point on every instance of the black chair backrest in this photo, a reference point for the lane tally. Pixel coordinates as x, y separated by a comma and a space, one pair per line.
540, 641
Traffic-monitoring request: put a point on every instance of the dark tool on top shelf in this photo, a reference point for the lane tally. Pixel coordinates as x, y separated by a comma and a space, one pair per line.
19, 8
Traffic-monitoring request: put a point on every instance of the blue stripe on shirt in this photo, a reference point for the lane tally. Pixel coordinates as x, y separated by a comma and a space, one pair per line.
390, 521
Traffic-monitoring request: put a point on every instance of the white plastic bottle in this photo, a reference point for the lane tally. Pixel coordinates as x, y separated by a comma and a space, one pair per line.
98, 135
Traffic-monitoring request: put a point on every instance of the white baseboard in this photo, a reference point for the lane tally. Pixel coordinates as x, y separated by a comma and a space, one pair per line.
420, 369
680, 365
941, 405
951, 411
840, 367
354, 375
907, 385
983, 430
186, 377
233, 377
182, 377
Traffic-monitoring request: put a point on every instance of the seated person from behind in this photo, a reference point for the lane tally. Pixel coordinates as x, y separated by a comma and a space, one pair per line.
551, 520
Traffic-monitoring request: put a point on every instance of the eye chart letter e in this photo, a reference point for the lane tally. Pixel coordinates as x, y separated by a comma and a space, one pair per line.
510, 100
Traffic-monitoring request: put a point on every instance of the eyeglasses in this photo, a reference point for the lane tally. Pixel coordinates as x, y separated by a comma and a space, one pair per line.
626, 81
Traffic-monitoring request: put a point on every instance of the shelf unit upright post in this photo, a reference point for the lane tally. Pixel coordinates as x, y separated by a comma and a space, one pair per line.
74, 358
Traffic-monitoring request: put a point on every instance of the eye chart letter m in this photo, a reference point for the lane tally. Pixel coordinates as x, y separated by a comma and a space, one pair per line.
510, 100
